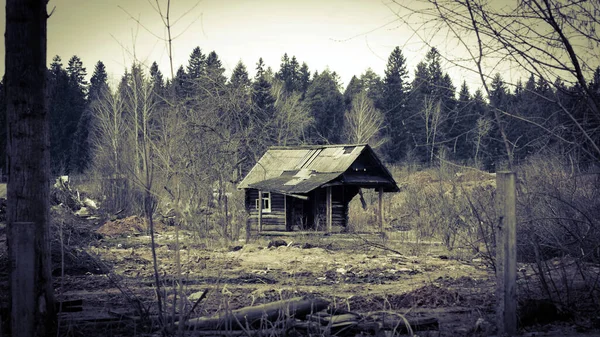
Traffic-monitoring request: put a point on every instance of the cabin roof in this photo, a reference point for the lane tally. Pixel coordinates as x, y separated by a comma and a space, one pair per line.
301, 169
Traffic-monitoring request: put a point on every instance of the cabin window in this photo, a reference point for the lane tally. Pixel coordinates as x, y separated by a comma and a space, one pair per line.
266, 202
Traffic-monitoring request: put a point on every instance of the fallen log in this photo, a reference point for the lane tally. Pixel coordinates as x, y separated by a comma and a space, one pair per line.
257, 316
237, 333
416, 323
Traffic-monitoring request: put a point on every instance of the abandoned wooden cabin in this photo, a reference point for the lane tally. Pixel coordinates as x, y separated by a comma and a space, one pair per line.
310, 187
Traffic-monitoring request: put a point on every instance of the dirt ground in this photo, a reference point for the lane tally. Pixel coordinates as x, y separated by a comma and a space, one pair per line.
108, 265
341, 268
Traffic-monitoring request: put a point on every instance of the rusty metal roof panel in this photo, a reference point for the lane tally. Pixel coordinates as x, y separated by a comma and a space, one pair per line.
287, 184
333, 159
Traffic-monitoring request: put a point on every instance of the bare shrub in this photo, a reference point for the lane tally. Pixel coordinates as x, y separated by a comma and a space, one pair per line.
362, 220
558, 223
558, 209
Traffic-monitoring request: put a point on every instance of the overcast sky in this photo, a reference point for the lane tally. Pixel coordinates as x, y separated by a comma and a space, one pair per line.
348, 36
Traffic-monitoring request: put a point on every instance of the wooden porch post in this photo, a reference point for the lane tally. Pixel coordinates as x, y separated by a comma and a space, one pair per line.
329, 210
260, 207
315, 203
381, 209
285, 213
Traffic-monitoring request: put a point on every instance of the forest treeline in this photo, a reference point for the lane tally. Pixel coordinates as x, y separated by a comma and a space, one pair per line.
201, 118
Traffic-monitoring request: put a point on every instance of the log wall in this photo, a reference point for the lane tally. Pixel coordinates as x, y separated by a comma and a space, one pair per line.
274, 220
301, 214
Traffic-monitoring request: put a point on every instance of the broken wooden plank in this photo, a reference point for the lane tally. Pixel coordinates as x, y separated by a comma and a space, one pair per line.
69, 306
297, 307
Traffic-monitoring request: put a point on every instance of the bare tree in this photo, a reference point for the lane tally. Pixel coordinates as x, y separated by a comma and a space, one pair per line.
111, 153
364, 122
432, 116
32, 294
484, 125
108, 129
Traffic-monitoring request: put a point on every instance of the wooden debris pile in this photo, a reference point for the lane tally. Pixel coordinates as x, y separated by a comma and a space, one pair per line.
62, 194
305, 316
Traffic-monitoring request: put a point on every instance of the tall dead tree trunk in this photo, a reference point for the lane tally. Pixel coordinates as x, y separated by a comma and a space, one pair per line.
31, 292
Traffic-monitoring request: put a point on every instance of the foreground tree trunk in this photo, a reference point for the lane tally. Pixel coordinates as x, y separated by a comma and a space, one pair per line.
31, 292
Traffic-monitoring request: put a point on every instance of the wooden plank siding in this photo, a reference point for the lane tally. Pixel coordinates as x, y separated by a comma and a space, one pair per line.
289, 213
274, 220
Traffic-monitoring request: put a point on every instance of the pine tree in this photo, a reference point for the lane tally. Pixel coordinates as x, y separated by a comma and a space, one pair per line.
78, 88
394, 103
262, 114
180, 84
435, 76
242, 122
284, 68
293, 84
158, 82
240, 88
81, 148
462, 124
260, 68
195, 74
239, 77
77, 73
215, 80
500, 99
304, 80
355, 86
432, 102
573, 99
326, 104
59, 111
373, 85
262, 100
98, 81
530, 105
286, 73
196, 65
